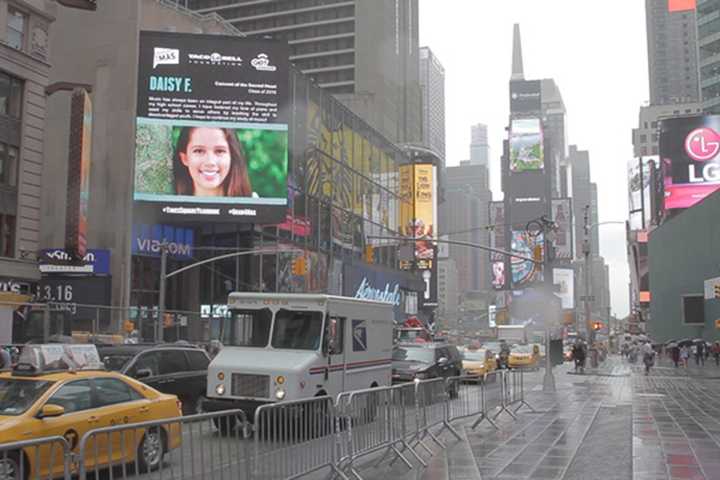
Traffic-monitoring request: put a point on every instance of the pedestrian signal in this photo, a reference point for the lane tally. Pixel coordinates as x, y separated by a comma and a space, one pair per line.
128, 326
299, 266
168, 320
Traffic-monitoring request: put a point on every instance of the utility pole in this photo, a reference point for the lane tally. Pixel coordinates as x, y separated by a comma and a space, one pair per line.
586, 251
548, 229
159, 325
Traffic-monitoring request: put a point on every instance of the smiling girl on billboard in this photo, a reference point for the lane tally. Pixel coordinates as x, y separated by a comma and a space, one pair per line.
209, 162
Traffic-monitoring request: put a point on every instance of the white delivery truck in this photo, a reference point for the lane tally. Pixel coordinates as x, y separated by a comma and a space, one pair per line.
294, 346
512, 333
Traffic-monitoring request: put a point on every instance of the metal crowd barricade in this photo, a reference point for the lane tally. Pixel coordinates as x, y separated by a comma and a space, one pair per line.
404, 420
296, 438
368, 420
471, 398
434, 397
205, 446
516, 390
42, 458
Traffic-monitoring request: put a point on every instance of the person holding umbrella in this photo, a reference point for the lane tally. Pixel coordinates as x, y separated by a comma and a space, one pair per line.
684, 355
699, 351
674, 353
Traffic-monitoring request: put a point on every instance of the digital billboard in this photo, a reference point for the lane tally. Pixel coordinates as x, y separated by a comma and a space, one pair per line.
564, 278
562, 216
681, 5
525, 272
212, 128
640, 190
498, 278
689, 149
78, 184
526, 145
417, 210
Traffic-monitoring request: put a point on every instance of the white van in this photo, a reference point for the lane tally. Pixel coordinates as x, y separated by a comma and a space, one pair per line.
294, 346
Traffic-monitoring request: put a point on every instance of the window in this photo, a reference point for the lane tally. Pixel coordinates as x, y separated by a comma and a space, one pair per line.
336, 331
17, 21
111, 391
248, 328
7, 235
8, 165
73, 397
11, 95
693, 309
297, 330
149, 361
198, 360
172, 361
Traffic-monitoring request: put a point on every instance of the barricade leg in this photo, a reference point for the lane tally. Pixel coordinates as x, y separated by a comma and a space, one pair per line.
484, 408
506, 397
520, 387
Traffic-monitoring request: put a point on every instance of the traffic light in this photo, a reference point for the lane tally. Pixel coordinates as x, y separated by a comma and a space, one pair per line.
538, 253
128, 326
299, 266
369, 254
168, 320
597, 326
568, 318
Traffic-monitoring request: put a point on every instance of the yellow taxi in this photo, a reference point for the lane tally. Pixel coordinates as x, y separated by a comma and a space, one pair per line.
61, 391
524, 356
478, 361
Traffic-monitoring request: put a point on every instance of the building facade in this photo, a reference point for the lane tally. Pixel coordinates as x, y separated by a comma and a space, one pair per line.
343, 186
680, 263
708, 29
25, 28
479, 146
336, 43
645, 137
582, 190
448, 292
432, 82
672, 39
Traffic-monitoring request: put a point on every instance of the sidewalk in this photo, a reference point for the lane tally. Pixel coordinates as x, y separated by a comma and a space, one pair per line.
611, 423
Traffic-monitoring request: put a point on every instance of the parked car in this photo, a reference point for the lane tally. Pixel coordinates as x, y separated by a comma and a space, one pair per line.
175, 369
423, 361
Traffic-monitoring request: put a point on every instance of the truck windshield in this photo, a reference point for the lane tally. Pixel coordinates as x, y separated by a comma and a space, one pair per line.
297, 330
247, 328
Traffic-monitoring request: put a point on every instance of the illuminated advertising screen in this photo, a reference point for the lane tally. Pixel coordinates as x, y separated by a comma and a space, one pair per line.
417, 211
525, 96
212, 128
689, 149
681, 5
498, 278
526, 145
79, 161
525, 272
640, 192
564, 278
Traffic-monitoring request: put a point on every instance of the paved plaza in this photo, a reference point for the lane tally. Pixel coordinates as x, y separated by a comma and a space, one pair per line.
611, 423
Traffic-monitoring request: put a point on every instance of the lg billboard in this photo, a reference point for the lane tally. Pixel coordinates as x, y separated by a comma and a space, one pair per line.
212, 128
689, 156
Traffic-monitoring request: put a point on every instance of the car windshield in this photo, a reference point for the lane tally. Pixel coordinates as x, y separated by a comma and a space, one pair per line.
247, 328
117, 362
422, 355
297, 330
474, 355
522, 349
16, 396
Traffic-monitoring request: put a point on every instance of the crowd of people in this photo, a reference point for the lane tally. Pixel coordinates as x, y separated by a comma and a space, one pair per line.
681, 353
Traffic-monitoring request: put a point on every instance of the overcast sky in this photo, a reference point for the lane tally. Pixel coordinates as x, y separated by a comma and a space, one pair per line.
597, 54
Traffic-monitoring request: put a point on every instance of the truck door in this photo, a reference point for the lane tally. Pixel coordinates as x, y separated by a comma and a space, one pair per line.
335, 350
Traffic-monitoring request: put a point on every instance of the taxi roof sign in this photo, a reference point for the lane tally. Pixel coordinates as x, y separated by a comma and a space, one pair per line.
57, 357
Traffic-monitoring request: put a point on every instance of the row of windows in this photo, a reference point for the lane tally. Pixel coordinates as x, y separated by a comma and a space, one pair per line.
296, 19
323, 46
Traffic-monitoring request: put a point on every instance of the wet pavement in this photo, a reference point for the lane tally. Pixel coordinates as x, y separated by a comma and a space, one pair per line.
611, 423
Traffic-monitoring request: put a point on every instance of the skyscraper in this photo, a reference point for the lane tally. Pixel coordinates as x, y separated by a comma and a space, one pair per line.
708, 22
584, 193
672, 40
479, 147
432, 82
364, 52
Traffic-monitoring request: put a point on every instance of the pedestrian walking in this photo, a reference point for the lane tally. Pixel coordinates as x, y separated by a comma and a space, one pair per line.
648, 355
716, 353
675, 354
700, 354
684, 355
579, 353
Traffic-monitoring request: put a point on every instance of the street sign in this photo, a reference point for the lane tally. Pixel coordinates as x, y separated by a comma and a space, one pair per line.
586, 298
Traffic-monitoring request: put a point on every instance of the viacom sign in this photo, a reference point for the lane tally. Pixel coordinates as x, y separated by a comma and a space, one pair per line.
148, 239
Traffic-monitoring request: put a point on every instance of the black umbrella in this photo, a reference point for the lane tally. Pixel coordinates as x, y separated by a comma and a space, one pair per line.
670, 341
698, 340
685, 342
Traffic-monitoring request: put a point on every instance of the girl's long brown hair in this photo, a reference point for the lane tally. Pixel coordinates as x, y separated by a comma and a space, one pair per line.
237, 182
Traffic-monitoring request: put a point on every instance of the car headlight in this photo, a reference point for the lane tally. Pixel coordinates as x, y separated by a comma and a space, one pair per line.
220, 389
279, 393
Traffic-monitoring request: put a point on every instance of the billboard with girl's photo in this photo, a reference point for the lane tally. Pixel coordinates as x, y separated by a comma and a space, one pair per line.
212, 128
